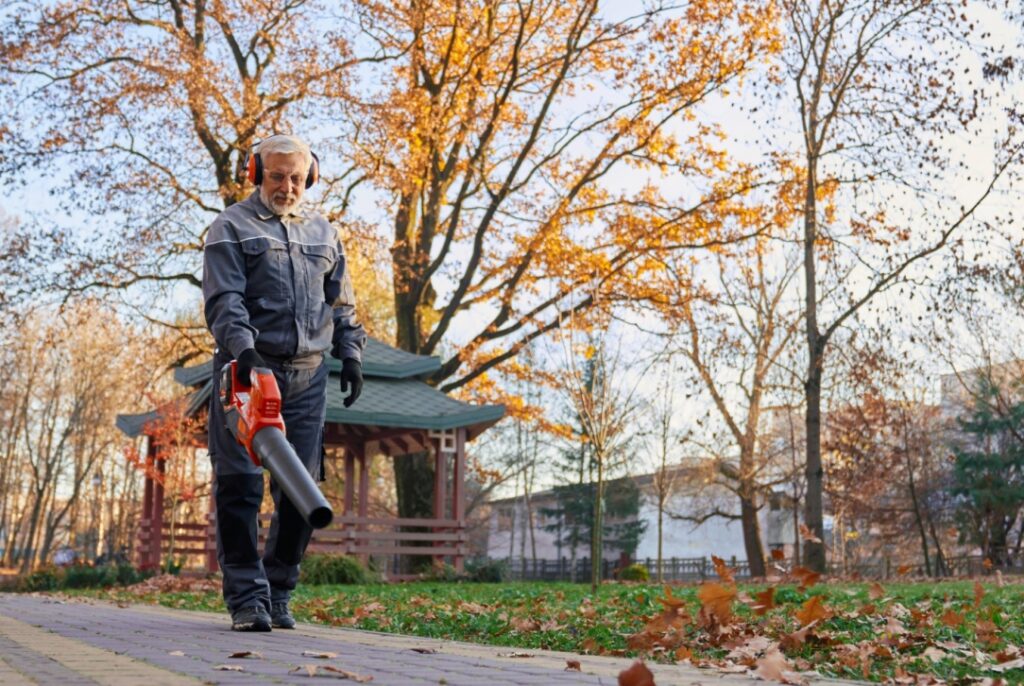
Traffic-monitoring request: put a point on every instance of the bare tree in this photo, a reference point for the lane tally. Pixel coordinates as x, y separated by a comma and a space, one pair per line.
876, 87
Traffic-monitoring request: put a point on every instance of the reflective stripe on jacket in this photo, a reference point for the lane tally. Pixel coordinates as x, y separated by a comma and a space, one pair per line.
278, 284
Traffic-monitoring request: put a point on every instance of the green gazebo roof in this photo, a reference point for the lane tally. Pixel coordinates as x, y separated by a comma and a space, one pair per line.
393, 396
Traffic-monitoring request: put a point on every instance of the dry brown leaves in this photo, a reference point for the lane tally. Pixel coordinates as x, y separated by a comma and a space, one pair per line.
716, 600
765, 600
169, 583
636, 675
813, 610
722, 570
330, 671
775, 667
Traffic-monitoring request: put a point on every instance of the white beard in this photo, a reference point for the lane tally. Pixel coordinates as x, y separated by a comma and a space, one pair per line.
279, 208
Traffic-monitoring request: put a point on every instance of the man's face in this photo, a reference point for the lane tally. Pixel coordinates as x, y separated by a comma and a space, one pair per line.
284, 180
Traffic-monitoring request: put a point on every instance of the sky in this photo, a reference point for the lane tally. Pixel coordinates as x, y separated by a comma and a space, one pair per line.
745, 140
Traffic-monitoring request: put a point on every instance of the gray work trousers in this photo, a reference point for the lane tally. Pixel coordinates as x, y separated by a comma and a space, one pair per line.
238, 491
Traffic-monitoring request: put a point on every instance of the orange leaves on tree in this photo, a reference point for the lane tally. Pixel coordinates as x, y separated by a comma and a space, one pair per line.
813, 610
778, 555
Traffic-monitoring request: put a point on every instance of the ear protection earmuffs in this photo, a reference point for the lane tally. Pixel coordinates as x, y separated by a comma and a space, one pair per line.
254, 167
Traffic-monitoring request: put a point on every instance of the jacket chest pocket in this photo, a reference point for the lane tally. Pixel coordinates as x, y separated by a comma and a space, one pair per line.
266, 266
318, 260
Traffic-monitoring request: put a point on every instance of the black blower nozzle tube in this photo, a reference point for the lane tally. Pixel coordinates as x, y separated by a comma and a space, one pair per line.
279, 458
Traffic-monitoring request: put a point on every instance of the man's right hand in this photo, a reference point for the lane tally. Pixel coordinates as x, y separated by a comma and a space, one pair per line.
247, 360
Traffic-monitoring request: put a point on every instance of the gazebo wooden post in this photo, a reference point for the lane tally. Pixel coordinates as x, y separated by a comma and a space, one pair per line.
143, 551
211, 531
440, 486
459, 495
364, 492
156, 526
350, 484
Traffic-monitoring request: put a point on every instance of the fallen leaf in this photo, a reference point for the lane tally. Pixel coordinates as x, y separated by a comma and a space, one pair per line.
765, 601
344, 674
424, 651
573, 666
808, 535
812, 611
934, 654
775, 667
951, 618
247, 653
751, 648
717, 599
902, 570
177, 653
683, 653
515, 653
806, 577
778, 555
636, 675
875, 591
795, 640
322, 656
722, 570
979, 593
229, 668
310, 670
1006, 666
524, 625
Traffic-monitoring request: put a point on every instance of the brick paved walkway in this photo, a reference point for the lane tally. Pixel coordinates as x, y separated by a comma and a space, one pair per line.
44, 640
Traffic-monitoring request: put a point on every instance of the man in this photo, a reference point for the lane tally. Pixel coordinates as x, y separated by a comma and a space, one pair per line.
277, 295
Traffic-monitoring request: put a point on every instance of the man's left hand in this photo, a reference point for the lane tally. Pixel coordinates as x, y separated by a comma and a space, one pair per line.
351, 376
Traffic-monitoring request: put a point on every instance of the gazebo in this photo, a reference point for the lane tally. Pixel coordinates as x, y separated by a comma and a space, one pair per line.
397, 414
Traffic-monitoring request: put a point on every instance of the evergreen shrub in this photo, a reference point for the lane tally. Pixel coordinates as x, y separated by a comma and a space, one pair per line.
324, 568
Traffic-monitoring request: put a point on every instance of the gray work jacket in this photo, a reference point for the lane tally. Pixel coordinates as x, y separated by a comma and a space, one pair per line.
279, 285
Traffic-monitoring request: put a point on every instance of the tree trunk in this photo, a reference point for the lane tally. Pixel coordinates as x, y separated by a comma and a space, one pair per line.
814, 551
661, 533
596, 535
752, 536
919, 519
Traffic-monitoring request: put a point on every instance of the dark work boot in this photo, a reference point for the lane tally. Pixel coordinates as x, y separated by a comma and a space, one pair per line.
280, 617
250, 618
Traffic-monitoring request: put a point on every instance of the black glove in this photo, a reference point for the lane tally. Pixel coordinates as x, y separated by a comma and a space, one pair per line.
351, 373
247, 360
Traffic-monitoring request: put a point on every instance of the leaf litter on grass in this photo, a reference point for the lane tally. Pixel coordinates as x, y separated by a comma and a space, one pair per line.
878, 631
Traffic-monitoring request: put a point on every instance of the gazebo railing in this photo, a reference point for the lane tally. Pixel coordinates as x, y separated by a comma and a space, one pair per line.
348, 534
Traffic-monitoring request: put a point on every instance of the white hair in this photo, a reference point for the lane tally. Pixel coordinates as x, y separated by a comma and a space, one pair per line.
285, 144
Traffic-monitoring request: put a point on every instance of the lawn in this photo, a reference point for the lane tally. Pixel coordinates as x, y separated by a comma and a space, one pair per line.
957, 631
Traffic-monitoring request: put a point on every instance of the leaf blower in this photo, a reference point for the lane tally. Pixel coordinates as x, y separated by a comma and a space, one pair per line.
253, 415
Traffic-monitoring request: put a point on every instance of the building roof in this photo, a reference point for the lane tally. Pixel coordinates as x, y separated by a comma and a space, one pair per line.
379, 360
393, 396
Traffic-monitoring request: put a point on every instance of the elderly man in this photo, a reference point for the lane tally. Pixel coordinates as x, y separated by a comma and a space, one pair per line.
277, 295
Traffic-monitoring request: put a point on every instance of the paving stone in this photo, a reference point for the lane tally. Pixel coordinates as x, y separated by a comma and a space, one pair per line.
113, 646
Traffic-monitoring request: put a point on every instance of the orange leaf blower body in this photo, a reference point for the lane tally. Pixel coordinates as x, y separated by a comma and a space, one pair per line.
253, 415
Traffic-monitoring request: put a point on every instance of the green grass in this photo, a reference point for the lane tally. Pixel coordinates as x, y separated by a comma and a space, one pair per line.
568, 617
